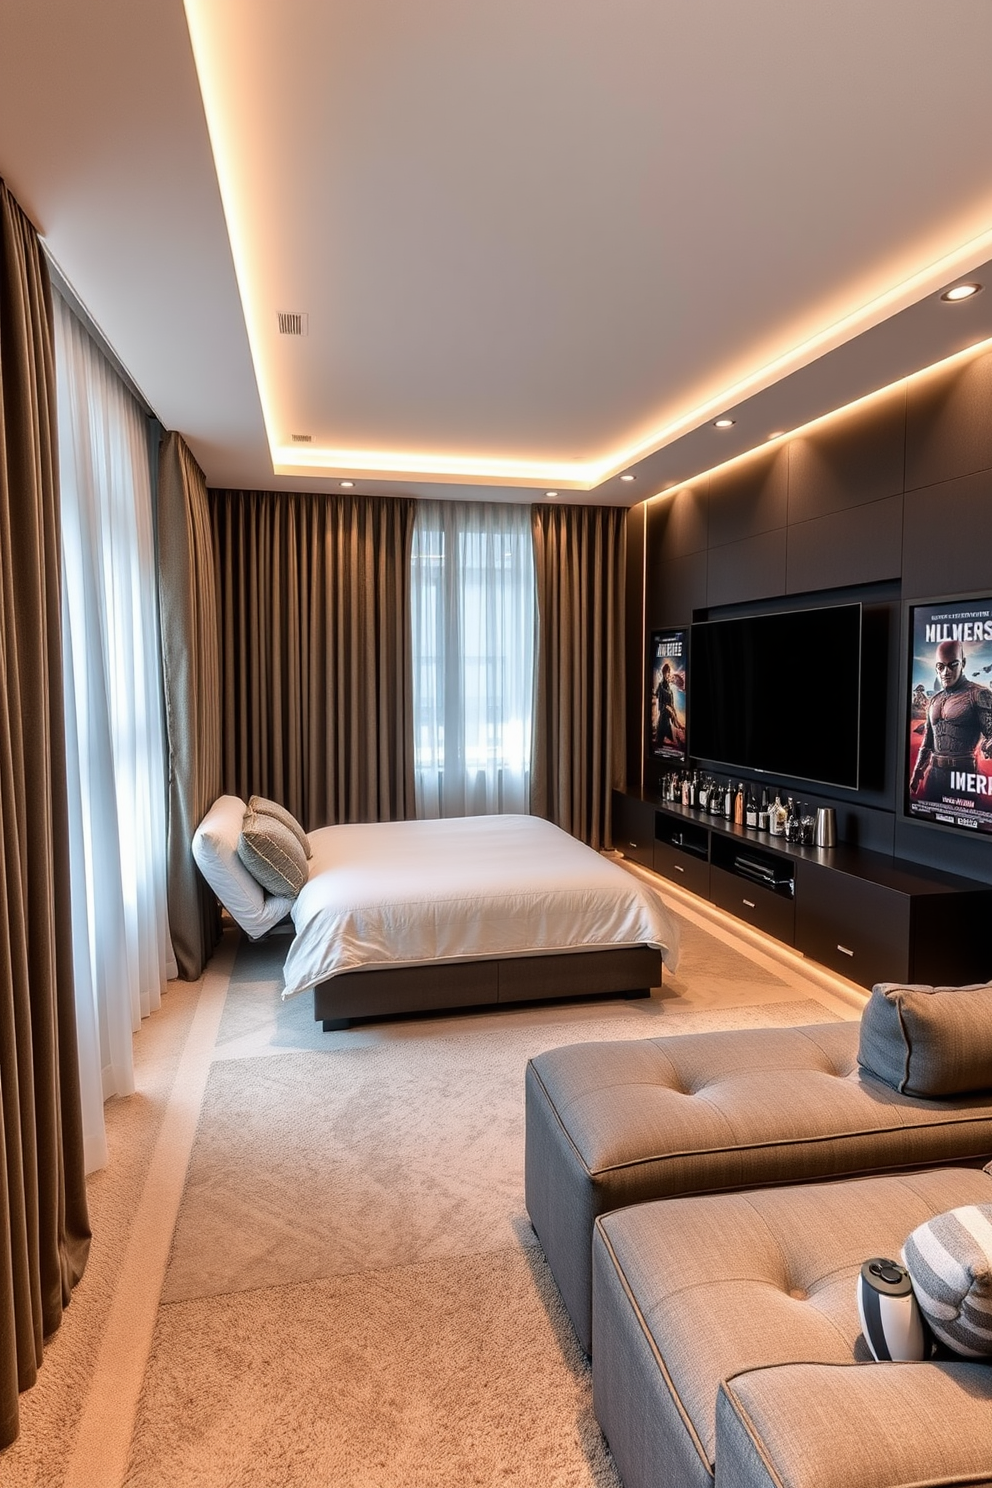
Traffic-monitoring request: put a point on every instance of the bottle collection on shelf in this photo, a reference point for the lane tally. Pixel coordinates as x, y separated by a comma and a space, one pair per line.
795, 822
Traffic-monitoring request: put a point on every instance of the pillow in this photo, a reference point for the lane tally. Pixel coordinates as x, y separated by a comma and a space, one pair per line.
928, 1041
215, 851
949, 1260
272, 854
265, 807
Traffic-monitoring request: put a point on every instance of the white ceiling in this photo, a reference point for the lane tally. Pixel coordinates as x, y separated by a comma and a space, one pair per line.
553, 232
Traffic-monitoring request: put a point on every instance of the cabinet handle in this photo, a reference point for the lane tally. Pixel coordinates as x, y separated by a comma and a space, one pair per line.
844, 950
678, 867
749, 903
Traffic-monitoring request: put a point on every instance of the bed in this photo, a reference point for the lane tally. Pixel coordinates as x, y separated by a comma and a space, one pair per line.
404, 917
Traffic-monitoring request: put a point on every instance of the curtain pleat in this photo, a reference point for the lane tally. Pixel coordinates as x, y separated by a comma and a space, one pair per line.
314, 598
42, 1187
191, 676
579, 555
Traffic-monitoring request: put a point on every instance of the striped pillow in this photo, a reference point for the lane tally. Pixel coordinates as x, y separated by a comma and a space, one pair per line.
949, 1260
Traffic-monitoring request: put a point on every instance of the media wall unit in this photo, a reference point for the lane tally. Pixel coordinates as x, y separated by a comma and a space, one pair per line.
870, 917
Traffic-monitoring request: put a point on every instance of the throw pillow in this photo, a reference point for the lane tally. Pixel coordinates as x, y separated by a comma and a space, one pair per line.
928, 1041
949, 1260
272, 854
215, 851
264, 807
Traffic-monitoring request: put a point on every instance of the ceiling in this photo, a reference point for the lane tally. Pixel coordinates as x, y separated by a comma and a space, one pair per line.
537, 243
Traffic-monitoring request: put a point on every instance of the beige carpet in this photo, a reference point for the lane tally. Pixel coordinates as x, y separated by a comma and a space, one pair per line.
354, 1295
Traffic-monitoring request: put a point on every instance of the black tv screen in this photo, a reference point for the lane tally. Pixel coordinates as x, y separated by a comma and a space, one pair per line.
779, 694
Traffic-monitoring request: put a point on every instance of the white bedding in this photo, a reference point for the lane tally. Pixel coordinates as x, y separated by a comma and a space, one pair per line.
405, 893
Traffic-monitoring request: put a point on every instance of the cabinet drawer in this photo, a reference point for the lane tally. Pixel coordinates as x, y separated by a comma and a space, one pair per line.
683, 868
855, 927
760, 907
633, 828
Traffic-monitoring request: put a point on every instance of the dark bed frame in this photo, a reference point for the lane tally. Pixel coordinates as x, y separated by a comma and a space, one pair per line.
379, 992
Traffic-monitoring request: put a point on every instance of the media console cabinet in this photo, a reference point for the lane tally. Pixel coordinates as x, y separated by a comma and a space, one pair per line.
871, 917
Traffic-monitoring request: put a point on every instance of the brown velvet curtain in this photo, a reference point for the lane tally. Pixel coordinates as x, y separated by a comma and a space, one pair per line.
315, 652
191, 672
579, 555
42, 1188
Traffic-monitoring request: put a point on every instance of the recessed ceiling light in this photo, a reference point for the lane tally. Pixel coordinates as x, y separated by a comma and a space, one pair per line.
628, 477
724, 423
961, 292
551, 495
346, 485
777, 434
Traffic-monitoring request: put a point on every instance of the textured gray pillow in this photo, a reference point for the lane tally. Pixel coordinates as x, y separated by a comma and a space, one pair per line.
949, 1260
264, 807
272, 854
929, 1041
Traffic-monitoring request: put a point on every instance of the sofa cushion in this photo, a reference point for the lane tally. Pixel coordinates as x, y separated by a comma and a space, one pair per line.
264, 807
819, 1425
929, 1041
949, 1260
690, 1292
272, 854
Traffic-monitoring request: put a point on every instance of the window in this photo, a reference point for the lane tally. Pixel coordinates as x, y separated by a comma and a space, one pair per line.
474, 622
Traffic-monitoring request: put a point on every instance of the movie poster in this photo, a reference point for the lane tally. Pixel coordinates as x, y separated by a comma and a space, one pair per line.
666, 706
950, 714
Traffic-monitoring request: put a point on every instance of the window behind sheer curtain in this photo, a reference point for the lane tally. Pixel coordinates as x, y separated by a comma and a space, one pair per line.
114, 721
474, 622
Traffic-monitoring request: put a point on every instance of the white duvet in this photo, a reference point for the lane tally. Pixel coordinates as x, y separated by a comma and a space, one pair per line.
402, 893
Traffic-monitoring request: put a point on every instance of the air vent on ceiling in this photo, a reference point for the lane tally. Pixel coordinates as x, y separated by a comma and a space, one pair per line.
293, 323
302, 438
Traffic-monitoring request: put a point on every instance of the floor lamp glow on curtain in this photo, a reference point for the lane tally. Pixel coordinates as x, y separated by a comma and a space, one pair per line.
474, 620
114, 718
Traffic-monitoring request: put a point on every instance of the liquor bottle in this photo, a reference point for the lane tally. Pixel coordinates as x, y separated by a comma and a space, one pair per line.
808, 826
751, 808
703, 794
776, 823
685, 788
739, 805
694, 790
728, 800
793, 827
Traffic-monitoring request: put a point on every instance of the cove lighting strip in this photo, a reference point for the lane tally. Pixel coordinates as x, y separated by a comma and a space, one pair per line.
207, 22
824, 418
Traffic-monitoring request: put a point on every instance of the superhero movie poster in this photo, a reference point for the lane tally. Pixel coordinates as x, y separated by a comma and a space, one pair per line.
949, 760
666, 699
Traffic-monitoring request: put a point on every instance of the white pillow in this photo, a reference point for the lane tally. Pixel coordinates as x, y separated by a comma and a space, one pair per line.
215, 851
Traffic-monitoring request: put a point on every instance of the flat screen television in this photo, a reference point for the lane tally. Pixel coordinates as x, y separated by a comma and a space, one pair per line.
779, 694
949, 714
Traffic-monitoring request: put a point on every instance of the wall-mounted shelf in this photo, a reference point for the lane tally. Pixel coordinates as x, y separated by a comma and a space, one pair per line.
871, 917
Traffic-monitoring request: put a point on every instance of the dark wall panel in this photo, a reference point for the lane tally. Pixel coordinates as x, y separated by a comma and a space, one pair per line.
850, 462
676, 590
949, 424
947, 543
684, 521
634, 639
749, 498
862, 545
751, 569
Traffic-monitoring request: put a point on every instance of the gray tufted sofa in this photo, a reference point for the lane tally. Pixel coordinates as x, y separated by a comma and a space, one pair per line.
615, 1124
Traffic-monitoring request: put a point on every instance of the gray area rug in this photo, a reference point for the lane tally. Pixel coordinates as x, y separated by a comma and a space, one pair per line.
355, 1295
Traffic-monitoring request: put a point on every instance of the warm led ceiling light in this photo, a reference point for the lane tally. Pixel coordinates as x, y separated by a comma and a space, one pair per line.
961, 292
724, 423
213, 37
628, 477
551, 495
978, 349
346, 485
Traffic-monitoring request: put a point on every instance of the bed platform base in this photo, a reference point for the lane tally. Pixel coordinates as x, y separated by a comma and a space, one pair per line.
397, 990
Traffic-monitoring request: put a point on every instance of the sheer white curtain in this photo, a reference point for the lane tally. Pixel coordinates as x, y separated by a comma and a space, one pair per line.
474, 622
114, 720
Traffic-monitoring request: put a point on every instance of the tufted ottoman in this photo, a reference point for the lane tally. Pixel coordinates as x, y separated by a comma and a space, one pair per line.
612, 1124
726, 1338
